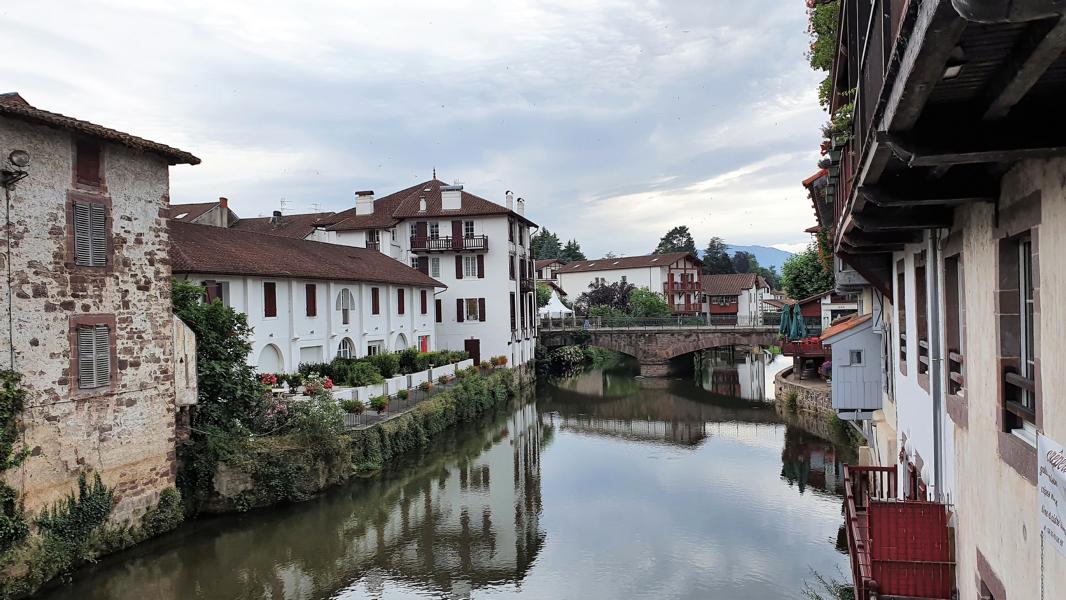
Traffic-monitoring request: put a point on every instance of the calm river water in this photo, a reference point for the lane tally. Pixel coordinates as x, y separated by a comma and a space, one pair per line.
604, 486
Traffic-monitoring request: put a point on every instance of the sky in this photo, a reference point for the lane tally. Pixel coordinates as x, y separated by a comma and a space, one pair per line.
614, 120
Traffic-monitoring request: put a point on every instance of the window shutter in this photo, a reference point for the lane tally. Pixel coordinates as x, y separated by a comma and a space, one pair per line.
420, 229
87, 159
82, 234
86, 359
399, 301
423, 264
459, 310
270, 299
480, 309
522, 269
310, 292
511, 266
457, 234
458, 266
480, 266
375, 301
438, 305
98, 231
424, 301
103, 355
513, 323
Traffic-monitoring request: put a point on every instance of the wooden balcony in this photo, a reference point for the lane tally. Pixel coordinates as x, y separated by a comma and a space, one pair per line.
681, 287
373, 245
898, 548
471, 243
810, 347
682, 308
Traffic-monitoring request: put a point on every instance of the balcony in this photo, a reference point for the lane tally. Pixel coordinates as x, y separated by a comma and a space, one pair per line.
686, 308
680, 287
807, 347
898, 548
373, 245
471, 243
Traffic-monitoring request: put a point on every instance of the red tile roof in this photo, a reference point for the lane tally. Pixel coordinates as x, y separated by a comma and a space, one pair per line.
540, 264
14, 106
845, 325
626, 262
404, 204
189, 212
208, 250
730, 284
292, 226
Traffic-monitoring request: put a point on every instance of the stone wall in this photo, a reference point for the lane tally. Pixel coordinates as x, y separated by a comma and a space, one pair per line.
126, 431
808, 399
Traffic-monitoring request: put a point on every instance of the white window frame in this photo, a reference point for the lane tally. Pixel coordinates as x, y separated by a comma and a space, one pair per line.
434, 230
434, 267
851, 358
472, 314
346, 349
469, 266
468, 229
345, 304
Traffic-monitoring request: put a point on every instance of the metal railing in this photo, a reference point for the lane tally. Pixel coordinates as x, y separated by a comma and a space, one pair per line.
713, 322
473, 243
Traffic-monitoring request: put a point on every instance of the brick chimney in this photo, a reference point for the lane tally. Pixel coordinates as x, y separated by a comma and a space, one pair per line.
364, 202
223, 205
451, 197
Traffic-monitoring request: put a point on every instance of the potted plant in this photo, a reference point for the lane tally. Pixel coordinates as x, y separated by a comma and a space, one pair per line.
425, 386
353, 406
486, 364
380, 403
403, 394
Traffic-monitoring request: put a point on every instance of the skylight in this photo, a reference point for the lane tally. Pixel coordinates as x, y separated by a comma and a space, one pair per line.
182, 215
654, 259
615, 262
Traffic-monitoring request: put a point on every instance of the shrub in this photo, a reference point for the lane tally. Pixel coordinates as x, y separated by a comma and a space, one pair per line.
353, 406
408, 361
403, 394
326, 369
386, 364
791, 400
443, 379
425, 386
500, 360
380, 403
363, 373
486, 364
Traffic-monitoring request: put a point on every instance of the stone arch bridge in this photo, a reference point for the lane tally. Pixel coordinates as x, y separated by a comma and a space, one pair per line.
656, 347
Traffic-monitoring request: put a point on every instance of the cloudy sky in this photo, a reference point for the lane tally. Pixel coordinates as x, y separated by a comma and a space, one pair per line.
615, 120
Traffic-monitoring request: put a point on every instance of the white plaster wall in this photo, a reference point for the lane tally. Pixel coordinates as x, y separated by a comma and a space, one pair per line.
575, 284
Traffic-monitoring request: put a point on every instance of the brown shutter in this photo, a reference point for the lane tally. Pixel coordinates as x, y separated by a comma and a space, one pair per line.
480, 266
421, 229
513, 322
459, 310
375, 301
480, 309
399, 301
423, 264
511, 266
311, 292
87, 158
458, 266
424, 301
270, 299
211, 289
522, 269
438, 305
457, 234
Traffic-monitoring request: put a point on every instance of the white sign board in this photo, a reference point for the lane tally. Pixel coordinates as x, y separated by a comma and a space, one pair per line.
1051, 492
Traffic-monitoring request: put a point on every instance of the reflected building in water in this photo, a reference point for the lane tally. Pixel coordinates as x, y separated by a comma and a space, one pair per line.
735, 372
810, 461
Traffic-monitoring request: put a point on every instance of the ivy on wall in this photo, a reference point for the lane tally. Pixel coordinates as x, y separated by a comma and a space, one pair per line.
13, 527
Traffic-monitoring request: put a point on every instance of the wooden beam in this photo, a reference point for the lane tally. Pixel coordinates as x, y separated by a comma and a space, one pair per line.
859, 238
1039, 46
913, 157
885, 199
882, 224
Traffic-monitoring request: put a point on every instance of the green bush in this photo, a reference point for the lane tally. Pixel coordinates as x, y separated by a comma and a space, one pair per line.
386, 364
402, 394
380, 403
408, 361
791, 398
353, 406
362, 374
67, 527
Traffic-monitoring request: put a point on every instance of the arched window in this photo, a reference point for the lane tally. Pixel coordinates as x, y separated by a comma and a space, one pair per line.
270, 360
346, 304
346, 349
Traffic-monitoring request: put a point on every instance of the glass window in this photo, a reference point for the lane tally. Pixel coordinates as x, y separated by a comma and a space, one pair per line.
434, 230
855, 357
346, 349
471, 309
469, 266
468, 229
434, 267
1027, 352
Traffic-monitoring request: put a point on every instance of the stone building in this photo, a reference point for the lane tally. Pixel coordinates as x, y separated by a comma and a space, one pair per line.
87, 316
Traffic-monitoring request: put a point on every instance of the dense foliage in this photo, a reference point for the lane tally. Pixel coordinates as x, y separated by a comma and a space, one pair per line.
545, 244
646, 303
613, 296
805, 275
677, 239
370, 370
822, 26
716, 257
544, 295
571, 252
13, 528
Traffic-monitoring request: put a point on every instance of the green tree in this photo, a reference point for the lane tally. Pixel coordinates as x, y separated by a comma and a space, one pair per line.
544, 295
822, 26
744, 262
716, 257
677, 239
571, 252
804, 275
545, 244
646, 303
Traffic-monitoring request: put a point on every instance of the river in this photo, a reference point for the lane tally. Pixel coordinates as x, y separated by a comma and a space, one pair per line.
603, 486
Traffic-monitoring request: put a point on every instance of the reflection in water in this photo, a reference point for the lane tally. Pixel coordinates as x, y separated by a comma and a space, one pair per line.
739, 372
607, 486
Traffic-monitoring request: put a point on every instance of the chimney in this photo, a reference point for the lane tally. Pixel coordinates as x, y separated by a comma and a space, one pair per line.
521, 206
364, 202
451, 197
223, 203
274, 220
510, 199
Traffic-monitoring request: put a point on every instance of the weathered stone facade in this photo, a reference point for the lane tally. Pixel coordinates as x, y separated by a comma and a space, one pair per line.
809, 398
125, 431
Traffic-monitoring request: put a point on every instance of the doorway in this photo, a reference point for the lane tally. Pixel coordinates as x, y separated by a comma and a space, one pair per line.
473, 348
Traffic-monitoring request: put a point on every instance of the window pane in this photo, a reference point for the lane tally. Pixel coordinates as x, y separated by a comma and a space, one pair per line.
434, 267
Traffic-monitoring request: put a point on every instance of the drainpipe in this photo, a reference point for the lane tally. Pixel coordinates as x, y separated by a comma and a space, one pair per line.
935, 360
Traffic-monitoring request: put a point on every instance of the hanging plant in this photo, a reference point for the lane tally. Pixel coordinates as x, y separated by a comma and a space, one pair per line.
825, 248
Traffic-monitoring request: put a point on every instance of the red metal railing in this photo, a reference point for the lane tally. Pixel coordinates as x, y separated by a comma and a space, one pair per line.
897, 547
811, 346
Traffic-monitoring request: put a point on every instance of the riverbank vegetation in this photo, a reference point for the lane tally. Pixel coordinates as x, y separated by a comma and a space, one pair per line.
370, 370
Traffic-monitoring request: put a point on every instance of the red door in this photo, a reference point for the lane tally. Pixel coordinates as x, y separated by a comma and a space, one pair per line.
423, 343
473, 348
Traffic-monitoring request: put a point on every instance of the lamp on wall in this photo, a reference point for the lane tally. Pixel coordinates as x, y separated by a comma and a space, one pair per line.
19, 159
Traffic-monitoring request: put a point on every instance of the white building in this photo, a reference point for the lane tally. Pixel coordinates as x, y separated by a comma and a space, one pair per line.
676, 276
477, 248
547, 268
735, 297
305, 301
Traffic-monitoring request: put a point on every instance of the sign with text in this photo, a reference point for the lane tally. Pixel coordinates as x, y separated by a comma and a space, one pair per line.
1051, 492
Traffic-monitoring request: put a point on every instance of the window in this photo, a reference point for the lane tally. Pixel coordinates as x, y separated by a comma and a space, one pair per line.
855, 358
1025, 422
901, 312
87, 162
511, 266
438, 307
513, 322
954, 322
215, 290
423, 301
311, 300
471, 306
94, 356
434, 267
469, 266
270, 299
434, 230
510, 230
373, 349
468, 229
423, 343
345, 304
90, 234
375, 301
399, 301
414, 262
921, 311
346, 349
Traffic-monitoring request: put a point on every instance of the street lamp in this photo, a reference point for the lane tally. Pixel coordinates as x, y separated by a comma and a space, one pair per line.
19, 159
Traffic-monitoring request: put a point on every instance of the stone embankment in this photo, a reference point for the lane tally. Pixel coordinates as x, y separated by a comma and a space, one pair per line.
811, 395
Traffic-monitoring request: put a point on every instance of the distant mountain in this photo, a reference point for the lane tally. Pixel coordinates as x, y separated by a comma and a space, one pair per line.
767, 256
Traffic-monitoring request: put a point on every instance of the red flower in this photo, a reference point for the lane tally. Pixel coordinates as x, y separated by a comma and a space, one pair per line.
328, 384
